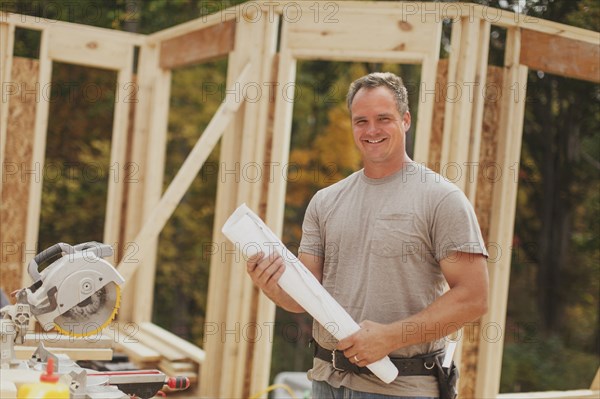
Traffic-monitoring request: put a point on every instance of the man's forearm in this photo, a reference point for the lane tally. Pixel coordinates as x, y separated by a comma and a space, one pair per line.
443, 317
286, 302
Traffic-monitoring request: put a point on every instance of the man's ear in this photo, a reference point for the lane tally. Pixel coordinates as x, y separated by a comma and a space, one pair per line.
406, 119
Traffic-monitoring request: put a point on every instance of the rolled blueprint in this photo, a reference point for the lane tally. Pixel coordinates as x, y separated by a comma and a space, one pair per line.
245, 229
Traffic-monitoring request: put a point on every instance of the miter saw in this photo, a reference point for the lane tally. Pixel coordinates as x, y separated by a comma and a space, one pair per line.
78, 294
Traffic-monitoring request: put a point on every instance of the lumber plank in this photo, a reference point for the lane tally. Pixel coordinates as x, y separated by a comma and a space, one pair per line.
15, 179
138, 352
37, 23
198, 46
483, 206
235, 351
457, 123
7, 39
398, 57
560, 56
185, 28
25, 352
596, 382
239, 356
455, 42
263, 309
89, 49
118, 147
166, 351
220, 269
434, 149
37, 159
426, 101
55, 340
154, 170
573, 394
136, 170
483, 45
363, 30
169, 339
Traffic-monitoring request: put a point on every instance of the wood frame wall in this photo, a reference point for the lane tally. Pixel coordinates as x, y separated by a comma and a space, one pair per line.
260, 131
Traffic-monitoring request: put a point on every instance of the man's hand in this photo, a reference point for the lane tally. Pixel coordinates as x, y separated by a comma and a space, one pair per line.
265, 272
368, 344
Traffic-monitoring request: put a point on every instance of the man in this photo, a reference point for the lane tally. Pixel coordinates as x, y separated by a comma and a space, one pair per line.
386, 242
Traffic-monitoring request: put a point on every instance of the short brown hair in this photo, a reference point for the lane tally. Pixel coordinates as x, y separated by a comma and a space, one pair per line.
377, 79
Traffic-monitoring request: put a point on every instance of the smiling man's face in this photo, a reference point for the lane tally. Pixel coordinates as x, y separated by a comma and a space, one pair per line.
379, 131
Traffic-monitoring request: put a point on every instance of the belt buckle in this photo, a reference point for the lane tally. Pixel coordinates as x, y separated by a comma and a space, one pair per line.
333, 361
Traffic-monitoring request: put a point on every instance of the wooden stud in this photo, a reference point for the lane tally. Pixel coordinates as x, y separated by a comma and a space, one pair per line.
560, 56
114, 201
262, 37
220, 265
15, 178
483, 45
503, 214
152, 140
282, 124
235, 352
198, 46
264, 310
459, 108
153, 188
38, 158
426, 101
7, 40
434, 150
483, 207
148, 72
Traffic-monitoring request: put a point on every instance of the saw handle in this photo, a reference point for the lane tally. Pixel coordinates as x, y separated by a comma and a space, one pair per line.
99, 249
48, 253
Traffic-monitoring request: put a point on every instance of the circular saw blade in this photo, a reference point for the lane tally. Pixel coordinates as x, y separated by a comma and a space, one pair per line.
91, 315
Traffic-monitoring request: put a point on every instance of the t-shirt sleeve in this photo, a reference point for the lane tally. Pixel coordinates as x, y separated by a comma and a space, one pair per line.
312, 240
455, 227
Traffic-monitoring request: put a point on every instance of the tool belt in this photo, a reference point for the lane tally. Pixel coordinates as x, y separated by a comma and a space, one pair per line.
421, 365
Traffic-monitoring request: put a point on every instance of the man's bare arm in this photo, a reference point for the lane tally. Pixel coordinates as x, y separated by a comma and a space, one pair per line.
466, 300
266, 271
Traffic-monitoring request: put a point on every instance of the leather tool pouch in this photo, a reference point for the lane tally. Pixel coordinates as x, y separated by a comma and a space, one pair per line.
447, 380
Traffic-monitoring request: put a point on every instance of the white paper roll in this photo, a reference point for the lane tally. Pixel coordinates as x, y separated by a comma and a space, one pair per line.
245, 229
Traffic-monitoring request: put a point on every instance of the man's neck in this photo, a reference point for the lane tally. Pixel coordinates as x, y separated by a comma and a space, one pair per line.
381, 170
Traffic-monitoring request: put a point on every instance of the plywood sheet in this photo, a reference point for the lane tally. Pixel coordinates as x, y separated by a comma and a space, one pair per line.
18, 170
198, 46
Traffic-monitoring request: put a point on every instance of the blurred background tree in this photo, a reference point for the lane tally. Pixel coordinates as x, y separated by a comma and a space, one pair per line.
555, 278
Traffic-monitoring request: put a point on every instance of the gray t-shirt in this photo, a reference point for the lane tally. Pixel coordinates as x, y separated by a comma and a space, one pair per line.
382, 240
